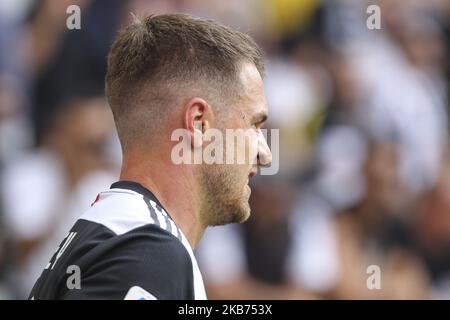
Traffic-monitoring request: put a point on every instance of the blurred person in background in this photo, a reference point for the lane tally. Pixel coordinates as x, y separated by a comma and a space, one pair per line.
63, 59
377, 231
384, 90
432, 233
44, 191
54, 126
401, 87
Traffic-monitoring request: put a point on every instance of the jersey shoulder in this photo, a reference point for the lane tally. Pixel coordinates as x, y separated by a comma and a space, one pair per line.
123, 241
147, 257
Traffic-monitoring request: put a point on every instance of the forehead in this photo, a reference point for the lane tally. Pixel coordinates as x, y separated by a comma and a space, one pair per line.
254, 100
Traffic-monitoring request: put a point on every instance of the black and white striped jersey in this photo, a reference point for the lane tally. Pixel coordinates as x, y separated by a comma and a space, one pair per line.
126, 246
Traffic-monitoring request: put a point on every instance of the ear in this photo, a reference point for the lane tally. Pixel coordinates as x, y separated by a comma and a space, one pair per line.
197, 117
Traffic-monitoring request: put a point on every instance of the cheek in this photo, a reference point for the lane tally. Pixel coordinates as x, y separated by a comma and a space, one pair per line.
241, 173
236, 176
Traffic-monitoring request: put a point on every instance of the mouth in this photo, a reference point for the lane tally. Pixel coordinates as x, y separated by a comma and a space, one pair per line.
249, 190
250, 175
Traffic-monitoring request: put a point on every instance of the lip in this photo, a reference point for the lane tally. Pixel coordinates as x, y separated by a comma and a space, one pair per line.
248, 188
251, 174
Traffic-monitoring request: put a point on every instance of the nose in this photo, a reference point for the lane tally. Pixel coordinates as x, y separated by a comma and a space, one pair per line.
264, 153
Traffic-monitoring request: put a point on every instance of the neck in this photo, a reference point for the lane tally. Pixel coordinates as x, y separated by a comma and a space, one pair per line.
174, 187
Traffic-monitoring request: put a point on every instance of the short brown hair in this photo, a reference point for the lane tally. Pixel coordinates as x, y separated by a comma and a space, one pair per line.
155, 56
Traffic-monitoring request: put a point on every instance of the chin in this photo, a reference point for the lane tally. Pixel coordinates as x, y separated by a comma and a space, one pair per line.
245, 212
240, 213
245, 218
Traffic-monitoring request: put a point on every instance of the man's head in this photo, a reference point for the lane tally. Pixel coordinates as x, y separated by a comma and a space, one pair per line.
175, 71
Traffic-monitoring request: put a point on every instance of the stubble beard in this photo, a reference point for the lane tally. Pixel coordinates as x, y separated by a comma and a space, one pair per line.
224, 198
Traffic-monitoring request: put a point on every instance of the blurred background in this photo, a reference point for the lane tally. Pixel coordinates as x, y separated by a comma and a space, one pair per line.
364, 144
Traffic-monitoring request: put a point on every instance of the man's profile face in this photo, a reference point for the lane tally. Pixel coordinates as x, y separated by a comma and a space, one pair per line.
227, 190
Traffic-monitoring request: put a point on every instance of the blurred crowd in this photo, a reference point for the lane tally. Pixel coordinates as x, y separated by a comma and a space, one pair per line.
363, 115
